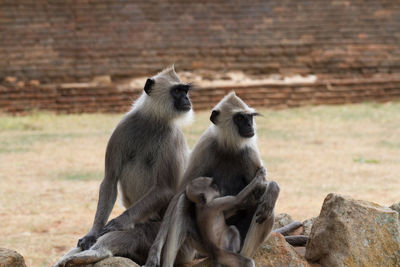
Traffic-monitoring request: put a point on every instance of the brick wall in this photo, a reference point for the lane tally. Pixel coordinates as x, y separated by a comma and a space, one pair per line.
96, 98
74, 40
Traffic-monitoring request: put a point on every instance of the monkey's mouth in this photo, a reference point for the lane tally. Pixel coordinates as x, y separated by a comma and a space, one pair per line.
184, 107
248, 134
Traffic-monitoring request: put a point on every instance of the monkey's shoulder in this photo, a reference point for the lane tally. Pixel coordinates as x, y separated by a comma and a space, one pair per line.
140, 129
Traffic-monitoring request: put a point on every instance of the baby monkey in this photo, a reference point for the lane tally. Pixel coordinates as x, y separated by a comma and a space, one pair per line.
220, 241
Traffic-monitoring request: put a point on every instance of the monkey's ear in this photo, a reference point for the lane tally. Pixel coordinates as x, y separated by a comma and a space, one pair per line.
202, 198
148, 85
214, 115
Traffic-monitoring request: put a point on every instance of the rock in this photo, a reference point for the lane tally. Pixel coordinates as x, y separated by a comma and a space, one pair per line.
275, 252
116, 262
396, 207
281, 220
354, 233
307, 224
10, 258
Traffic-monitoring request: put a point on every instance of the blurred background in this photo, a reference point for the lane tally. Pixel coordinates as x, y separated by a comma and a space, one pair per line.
324, 74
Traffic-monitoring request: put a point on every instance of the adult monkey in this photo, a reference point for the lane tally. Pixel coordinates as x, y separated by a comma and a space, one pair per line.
226, 151
146, 155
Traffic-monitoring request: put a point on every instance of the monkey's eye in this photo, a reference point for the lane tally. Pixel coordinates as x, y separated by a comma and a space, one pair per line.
239, 117
176, 91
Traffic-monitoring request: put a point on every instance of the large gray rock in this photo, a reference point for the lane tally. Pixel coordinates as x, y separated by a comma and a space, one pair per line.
116, 262
354, 233
396, 207
276, 252
307, 225
281, 220
10, 258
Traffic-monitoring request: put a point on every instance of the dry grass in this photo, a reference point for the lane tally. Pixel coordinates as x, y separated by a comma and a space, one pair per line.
51, 167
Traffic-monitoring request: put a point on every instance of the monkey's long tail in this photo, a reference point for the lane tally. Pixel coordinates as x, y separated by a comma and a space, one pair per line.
294, 240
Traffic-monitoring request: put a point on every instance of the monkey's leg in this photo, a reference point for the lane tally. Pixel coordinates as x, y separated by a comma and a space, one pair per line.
231, 259
185, 254
133, 243
231, 239
169, 236
141, 210
180, 227
61, 262
262, 222
100, 250
88, 256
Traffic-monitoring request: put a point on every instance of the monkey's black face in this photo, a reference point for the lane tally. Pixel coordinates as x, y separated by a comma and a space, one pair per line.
244, 123
180, 95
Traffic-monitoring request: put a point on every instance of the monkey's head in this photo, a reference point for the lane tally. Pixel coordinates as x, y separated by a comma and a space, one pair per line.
202, 190
166, 96
233, 120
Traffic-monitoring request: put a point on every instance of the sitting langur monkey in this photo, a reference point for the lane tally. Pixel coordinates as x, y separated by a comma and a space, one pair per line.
226, 151
220, 241
146, 156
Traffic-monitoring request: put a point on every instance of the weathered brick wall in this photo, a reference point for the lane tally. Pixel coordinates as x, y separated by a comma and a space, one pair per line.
94, 98
74, 40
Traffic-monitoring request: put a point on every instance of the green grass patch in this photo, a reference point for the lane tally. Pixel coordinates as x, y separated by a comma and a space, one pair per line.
47, 121
24, 142
80, 176
389, 144
364, 160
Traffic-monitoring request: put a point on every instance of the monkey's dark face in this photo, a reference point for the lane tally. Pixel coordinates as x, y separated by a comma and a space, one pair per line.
180, 97
244, 124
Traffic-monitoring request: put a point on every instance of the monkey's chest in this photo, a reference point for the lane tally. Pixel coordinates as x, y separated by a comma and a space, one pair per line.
230, 176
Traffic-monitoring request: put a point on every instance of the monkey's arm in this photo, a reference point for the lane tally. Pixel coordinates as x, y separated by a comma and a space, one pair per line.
108, 188
107, 197
230, 202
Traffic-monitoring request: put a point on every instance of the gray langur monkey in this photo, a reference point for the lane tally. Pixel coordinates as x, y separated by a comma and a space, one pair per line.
220, 241
146, 156
226, 151
133, 243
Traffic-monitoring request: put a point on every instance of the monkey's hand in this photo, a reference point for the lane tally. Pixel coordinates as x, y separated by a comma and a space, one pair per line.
259, 191
266, 208
87, 241
261, 173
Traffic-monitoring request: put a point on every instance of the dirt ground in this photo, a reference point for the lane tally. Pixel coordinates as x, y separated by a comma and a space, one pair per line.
51, 167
